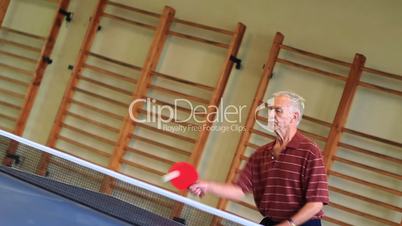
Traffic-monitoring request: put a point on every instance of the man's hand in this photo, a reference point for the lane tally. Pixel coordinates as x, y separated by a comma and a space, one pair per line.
228, 191
199, 189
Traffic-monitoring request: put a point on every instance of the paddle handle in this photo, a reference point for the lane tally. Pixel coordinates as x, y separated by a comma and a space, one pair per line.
171, 175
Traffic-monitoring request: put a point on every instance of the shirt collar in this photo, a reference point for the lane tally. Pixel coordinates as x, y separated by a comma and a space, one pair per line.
296, 140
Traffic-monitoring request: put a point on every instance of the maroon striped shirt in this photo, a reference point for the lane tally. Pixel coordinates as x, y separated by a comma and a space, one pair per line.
282, 186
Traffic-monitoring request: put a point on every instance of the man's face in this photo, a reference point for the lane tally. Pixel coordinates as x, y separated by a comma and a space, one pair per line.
281, 113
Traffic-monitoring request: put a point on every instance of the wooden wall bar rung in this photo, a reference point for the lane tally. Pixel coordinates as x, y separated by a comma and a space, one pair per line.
195, 84
105, 85
318, 121
254, 146
14, 81
369, 168
179, 94
164, 117
142, 167
370, 153
21, 46
131, 66
12, 93
382, 73
92, 94
336, 221
368, 136
380, 88
88, 134
129, 21
362, 214
167, 133
148, 155
366, 183
152, 14
96, 123
16, 69
316, 56
6, 129
23, 33
365, 199
84, 146
10, 105
95, 109
312, 69
110, 73
261, 133
187, 82
205, 27
159, 102
158, 144
16, 56
7, 117
198, 39
314, 136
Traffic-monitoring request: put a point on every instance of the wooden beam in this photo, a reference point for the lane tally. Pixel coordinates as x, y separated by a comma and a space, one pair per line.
343, 109
142, 86
86, 44
262, 87
3, 10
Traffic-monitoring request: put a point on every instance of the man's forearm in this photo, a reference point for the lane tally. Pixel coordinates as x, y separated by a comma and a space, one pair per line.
307, 212
228, 191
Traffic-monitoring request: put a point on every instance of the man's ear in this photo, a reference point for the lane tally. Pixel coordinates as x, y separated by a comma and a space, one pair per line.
296, 116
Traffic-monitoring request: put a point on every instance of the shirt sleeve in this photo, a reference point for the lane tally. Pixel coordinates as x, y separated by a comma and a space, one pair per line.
316, 179
244, 179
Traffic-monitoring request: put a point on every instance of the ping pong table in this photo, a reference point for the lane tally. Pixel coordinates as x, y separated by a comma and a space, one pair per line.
28, 199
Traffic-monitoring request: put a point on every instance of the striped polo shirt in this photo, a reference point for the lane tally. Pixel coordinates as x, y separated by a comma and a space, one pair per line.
282, 186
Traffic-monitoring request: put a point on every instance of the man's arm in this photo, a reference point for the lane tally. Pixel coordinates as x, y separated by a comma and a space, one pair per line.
304, 214
228, 191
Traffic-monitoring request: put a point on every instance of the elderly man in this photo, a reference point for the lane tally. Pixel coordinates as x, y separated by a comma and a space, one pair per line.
287, 176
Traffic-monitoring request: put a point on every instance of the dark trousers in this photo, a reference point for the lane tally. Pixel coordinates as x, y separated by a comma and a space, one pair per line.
268, 222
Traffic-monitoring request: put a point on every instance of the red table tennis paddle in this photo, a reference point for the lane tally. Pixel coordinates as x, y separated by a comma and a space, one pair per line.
182, 175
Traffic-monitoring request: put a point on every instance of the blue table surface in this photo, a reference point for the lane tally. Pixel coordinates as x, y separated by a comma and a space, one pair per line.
22, 203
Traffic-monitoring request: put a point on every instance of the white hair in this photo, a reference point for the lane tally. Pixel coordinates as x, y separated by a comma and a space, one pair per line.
297, 102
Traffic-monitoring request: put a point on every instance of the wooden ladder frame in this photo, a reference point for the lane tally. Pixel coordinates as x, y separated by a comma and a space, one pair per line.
40, 66
335, 143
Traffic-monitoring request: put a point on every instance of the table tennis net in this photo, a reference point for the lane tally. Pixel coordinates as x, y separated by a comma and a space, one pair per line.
130, 200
